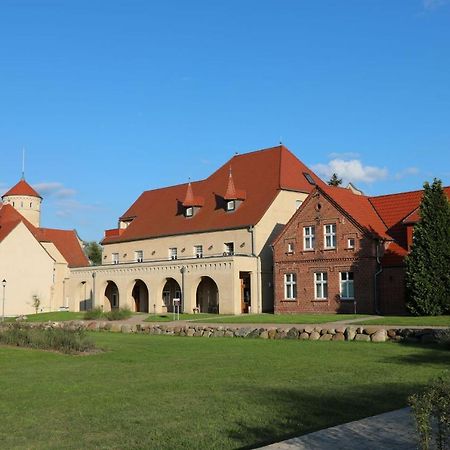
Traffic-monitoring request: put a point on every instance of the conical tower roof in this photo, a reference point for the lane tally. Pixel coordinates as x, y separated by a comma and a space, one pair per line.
22, 188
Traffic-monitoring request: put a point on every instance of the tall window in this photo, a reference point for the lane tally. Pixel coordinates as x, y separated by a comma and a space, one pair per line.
321, 285
189, 211
330, 235
228, 248
347, 287
308, 238
290, 247
290, 286
198, 251
231, 205
173, 253
139, 256
115, 258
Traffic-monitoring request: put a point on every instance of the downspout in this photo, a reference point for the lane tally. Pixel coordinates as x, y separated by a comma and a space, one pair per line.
183, 271
251, 230
377, 273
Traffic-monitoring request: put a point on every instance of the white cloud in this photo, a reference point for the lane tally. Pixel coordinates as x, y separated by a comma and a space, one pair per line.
351, 170
430, 5
406, 172
54, 189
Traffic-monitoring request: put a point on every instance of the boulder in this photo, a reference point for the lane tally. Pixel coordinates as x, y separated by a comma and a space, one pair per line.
115, 327
379, 336
309, 329
340, 329
362, 337
126, 328
219, 333
350, 333
229, 333
272, 332
392, 333
264, 334
292, 334
190, 332
304, 336
370, 330
326, 337
198, 333
314, 336
339, 337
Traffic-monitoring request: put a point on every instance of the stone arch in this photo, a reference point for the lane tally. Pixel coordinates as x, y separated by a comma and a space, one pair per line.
207, 296
111, 298
140, 296
170, 291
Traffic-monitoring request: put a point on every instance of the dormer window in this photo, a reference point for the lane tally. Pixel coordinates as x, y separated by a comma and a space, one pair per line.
231, 205
189, 212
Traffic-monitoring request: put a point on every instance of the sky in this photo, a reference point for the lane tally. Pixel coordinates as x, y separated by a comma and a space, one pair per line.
110, 98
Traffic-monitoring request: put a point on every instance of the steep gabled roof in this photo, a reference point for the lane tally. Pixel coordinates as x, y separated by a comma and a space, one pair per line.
66, 241
262, 174
22, 188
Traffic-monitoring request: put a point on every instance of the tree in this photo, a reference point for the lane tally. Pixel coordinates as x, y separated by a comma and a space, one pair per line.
334, 180
36, 303
94, 252
427, 265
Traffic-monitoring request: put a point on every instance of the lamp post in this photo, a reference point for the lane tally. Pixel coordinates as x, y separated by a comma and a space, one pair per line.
183, 271
3, 302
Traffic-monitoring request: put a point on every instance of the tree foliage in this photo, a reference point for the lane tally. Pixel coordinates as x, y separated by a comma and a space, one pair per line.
428, 264
334, 180
94, 252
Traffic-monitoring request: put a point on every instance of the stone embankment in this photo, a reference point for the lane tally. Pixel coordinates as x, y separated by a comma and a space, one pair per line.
307, 332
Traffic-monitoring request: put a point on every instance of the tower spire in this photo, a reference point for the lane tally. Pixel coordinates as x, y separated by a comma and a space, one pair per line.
23, 163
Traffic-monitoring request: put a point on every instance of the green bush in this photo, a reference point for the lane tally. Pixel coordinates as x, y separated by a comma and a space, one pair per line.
432, 414
114, 314
63, 340
443, 339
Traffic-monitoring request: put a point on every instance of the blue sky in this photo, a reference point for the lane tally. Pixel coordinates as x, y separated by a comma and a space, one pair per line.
111, 98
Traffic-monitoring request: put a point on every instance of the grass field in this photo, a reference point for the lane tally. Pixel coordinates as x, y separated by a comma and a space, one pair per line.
164, 392
438, 321
168, 317
284, 318
57, 316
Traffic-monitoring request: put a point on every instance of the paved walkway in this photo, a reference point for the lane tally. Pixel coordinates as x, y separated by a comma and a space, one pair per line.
390, 431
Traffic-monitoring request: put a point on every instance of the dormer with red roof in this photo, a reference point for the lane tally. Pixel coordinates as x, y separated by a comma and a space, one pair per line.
25, 200
233, 197
191, 203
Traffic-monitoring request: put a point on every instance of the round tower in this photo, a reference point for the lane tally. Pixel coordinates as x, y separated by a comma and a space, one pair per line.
26, 201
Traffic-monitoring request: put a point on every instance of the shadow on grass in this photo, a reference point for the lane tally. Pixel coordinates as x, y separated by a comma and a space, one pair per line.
436, 354
296, 413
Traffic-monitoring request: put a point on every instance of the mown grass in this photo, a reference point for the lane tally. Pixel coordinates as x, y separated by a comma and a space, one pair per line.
56, 316
438, 321
169, 317
164, 392
284, 318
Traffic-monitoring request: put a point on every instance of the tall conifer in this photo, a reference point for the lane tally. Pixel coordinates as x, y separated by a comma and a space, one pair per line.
428, 264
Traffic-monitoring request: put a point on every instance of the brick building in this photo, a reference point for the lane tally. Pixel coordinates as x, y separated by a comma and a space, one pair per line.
344, 252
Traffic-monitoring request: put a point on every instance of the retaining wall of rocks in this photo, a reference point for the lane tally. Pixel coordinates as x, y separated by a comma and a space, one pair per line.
310, 332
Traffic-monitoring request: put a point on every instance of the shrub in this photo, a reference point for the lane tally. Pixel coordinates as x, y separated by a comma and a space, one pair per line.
432, 414
443, 338
63, 340
96, 313
114, 314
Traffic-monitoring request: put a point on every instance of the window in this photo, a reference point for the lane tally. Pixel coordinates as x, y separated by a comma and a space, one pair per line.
290, 247
198, 251
347, 288
139, 256
173, 253
308, 238
320, 285
189, 211
290, 286
115, 258
351, 243
309, 178
228, 248
298, 203
330, 235
231, 205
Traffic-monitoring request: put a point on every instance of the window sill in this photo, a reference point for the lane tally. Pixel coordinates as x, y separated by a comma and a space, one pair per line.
289, 300
329, 248
346, 299
308, 250
320, 300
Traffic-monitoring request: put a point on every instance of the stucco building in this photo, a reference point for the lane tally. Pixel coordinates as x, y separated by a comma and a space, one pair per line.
206, 243
35, 262
344, 252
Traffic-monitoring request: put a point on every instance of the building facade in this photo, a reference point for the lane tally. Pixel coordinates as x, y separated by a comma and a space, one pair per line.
204, 245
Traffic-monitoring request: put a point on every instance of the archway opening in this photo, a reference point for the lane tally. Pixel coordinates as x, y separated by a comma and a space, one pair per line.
208, 296
112, 295
171, 290
85, 296
140, 296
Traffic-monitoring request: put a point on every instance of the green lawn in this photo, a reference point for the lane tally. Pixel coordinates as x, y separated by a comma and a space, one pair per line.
168, 317
284, 318
165, 392
57, 316
438, 321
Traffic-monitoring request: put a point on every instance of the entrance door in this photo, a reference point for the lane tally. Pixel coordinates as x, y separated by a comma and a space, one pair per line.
245, 292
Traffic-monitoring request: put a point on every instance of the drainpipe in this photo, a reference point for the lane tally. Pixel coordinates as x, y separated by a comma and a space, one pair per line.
183, 271
251, 230
377, 273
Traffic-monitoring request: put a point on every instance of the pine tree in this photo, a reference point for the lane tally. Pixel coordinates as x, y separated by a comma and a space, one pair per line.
428, 264
334, 180
94, 252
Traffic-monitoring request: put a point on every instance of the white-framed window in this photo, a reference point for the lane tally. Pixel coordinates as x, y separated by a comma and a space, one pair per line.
115, 258
231, 205
173, 253
198, 251
320, 285
330, 235
346, 285
290, 286
309, 237
189, 211
139, 256
290, 247
351, 243
228, 248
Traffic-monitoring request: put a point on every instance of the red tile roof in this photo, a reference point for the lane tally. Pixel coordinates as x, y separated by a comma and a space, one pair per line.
262, 174
22, 188
190, 199
66, 241
232, 193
